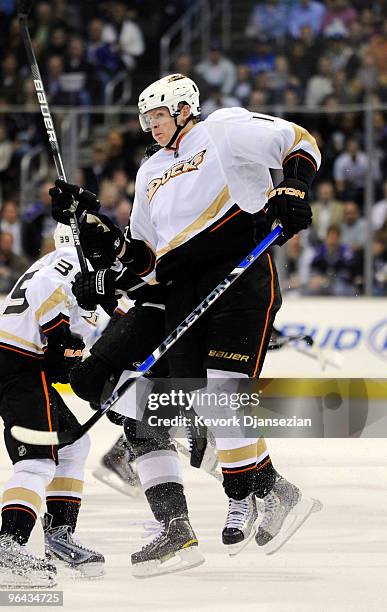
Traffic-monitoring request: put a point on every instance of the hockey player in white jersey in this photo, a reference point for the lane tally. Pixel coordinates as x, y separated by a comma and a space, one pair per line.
202, 202
41, 337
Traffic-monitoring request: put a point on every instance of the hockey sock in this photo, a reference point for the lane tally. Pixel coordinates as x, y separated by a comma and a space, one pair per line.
64, 494
167, 501
265, 474
18, 521
238, 459
23, 495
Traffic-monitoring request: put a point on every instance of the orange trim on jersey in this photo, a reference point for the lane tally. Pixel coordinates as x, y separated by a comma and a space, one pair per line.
225, 220
304, 157
56, 325
253, 467
262, 465
18, 508
267, 315
9, 348
120, 312
150, 266
73, 501
48, 408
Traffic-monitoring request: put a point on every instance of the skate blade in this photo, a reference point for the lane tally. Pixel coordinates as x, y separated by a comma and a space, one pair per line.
112, 480
234, 549
32, 581
182, 560
296, 517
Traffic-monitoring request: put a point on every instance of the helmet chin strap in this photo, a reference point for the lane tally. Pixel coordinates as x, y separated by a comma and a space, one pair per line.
176, 133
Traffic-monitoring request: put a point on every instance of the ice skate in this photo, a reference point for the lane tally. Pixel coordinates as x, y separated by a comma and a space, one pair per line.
174, 549
285, 510
20, 568
117, 470
68, 554
241, 524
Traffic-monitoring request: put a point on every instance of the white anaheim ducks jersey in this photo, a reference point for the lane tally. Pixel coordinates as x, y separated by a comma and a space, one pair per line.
222, 161
39, 301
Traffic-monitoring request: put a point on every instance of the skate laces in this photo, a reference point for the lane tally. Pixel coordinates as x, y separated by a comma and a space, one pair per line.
157, 535
188, 433
69, 538
272, 502
237, 511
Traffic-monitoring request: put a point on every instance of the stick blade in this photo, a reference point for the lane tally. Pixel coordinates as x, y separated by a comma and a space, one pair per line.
34, 436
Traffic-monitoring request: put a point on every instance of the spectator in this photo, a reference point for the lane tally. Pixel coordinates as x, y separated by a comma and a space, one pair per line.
379, 251
353, 227
11, 264
281, 79
10, 223
98, 170
57, 43
37, 223
298, 258
124, 33
306, 12
304, 51
379, 211
52, 81
217, 70
109, 195
327, 211
123, 210
243, 86
332, 267
77, 79
262, 58
104, 57
350, 170
339, 17
185, 66
44, 23
6, 150
10, 82
216, 101
320, 85
268, 16
258, 100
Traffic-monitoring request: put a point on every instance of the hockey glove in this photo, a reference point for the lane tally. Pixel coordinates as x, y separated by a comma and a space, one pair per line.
96, 288
68, 199
101, 240
289, 204
61, 355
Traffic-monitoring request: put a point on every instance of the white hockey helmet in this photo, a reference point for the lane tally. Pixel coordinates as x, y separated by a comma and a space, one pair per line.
63, 236
168, 91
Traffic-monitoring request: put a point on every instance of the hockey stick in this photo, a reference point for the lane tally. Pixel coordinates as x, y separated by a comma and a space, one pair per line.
24, 7
31, 436
314, 352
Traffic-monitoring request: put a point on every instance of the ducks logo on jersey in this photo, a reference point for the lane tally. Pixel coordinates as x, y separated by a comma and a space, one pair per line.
182, 167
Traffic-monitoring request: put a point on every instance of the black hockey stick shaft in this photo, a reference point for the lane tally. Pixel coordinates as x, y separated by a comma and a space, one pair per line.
24, 8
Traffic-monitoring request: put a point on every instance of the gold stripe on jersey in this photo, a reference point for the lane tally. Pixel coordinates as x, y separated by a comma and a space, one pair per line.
56, 298
301, 133
65, 484
22, 494
214, 208
232, 455
8, 336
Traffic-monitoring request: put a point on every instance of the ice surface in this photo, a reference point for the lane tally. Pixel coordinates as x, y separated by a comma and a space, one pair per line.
336, 561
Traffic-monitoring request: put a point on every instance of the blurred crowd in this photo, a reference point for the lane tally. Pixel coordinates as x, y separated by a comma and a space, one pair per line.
289, 53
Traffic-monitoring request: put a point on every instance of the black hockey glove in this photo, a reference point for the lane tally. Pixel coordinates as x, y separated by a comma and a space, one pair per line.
96, 288
68, 199
61, 355
101, 240
289, 203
